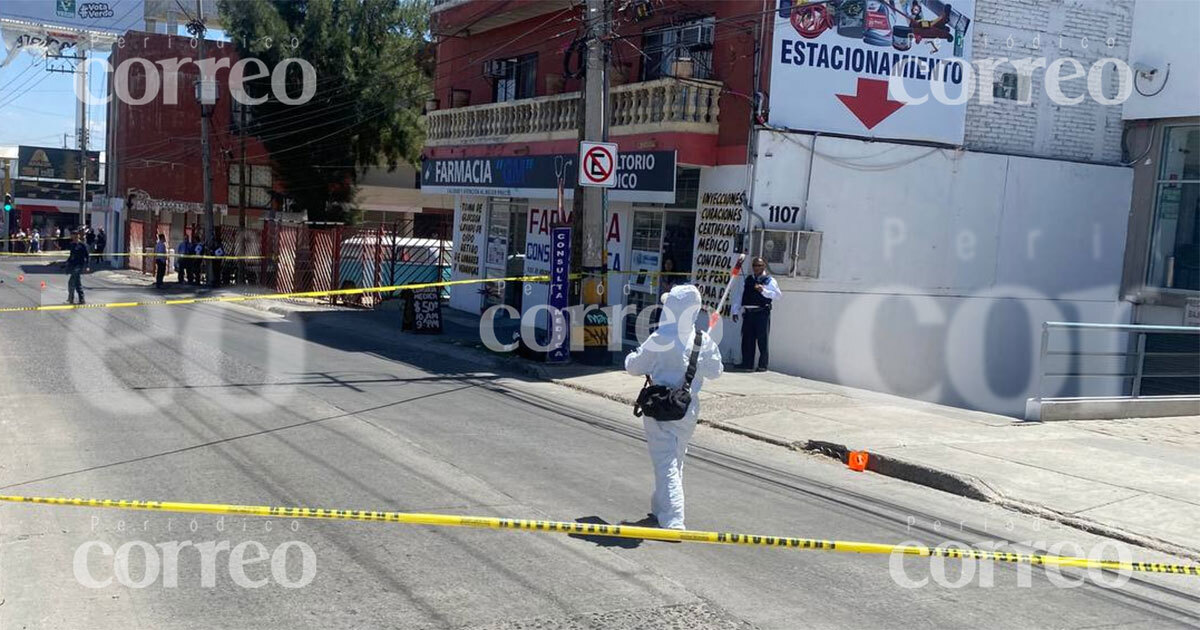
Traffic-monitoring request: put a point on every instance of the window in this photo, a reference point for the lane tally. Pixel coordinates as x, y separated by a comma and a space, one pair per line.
690, 40
1175, 248
1005, 86
513, 78
258, 189
236, 111
647, 231
687, 189
1009, 86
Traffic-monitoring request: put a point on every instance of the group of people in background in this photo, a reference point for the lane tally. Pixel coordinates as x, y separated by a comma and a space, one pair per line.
192, 264
58, 239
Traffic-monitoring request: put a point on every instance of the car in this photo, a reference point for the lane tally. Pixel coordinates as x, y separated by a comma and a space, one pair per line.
402, 260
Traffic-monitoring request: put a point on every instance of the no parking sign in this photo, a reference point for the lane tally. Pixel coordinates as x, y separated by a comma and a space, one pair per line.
598, 164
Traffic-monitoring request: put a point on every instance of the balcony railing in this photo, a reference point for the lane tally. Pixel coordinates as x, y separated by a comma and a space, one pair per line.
662, 105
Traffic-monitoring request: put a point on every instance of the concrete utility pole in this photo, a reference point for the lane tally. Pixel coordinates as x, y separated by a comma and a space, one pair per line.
8, 190
205, 149
590, 201
83, 136
241, 244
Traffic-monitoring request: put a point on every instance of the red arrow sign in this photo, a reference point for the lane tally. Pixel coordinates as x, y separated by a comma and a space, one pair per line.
871, 105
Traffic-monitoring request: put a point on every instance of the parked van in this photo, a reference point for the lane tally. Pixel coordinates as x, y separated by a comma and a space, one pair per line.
402, 260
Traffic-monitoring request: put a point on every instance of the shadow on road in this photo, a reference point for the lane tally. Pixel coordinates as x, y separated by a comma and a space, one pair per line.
605, 541
378, 333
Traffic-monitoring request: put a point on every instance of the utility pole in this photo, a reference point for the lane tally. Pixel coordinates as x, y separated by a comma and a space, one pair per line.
241, 244
83, 136
198, 30
7, 211
589, 204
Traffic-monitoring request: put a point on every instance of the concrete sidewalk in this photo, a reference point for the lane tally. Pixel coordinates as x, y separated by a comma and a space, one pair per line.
1133, 480
1130, 479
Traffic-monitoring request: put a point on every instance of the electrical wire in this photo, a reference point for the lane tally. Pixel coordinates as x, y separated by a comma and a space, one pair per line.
312, 114
19, 75
851, 163
1162, 87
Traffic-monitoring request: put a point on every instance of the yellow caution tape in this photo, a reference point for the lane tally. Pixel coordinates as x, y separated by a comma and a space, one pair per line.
285, 296
268, 296
618, 531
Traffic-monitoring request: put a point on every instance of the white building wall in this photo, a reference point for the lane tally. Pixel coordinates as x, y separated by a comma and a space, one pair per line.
1165, 33
938, 267
1086, 30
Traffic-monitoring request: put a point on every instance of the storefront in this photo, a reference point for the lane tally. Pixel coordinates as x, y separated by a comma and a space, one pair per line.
505, 208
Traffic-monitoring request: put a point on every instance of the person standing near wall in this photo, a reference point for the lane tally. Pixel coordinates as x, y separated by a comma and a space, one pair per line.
218, 249
753, 305
184, 248
160, 261
101, 243
191, 263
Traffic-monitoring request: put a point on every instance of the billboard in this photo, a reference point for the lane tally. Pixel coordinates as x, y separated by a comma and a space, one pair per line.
38, 41
832, 65
51, 163
97, 16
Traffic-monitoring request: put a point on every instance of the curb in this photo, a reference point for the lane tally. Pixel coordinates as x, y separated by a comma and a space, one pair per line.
958, 484
976, 489
966, 486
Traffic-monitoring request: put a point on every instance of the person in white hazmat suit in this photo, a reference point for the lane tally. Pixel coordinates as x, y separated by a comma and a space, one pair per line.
664, 357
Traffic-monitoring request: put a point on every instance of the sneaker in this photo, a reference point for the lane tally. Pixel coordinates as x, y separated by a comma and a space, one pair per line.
760, 369
649, 521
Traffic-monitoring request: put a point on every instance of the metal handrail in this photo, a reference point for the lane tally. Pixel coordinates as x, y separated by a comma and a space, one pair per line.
1194, 330
1139, 354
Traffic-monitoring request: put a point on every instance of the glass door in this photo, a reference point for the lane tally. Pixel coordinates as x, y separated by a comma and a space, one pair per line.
1175, 248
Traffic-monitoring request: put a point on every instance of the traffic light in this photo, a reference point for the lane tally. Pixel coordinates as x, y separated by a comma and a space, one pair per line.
8, 202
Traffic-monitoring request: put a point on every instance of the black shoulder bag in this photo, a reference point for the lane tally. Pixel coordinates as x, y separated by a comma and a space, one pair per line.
669, 403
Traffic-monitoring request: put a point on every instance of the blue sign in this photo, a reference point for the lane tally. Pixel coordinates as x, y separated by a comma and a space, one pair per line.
641, 176
560, 288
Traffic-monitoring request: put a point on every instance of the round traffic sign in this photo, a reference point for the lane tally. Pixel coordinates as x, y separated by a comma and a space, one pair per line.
598, 164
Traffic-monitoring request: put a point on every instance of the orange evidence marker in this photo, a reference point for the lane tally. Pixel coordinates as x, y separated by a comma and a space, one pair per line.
857, 460
43, 284
21, 278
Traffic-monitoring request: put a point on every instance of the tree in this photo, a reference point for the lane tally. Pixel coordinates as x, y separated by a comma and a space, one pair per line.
371, 79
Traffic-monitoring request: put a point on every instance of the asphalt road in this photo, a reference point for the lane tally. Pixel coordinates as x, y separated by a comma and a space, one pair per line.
229, 404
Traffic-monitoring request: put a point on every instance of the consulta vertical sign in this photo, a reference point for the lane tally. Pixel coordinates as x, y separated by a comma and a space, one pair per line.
832, 61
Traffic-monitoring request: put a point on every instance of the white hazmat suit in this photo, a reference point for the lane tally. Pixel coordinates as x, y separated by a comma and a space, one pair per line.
664, 357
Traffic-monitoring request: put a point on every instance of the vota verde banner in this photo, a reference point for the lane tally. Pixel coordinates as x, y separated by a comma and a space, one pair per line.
832, 68
98, 16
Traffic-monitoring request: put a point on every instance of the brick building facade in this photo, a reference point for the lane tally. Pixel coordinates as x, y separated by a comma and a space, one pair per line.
1022, 119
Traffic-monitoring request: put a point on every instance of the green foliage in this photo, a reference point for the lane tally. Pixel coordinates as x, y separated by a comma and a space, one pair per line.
372, 77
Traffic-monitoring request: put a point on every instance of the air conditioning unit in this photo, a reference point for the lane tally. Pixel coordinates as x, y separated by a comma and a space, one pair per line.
792, 253
495, 68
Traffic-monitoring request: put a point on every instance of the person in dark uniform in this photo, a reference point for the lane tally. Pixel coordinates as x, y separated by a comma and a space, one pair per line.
217, 248
181, 263
76, 263
160, 261
195, 248
759, 292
